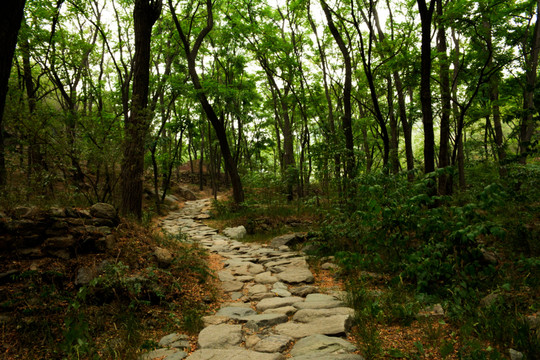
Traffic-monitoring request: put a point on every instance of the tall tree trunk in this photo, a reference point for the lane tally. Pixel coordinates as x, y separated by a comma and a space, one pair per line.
11, 16
494, 103
426, 15
347, 87
445, 187
405, 124
528, 123
219, 127
394, 141
145, 14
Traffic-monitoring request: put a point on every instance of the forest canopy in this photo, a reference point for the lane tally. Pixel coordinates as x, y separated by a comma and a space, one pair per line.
104, 92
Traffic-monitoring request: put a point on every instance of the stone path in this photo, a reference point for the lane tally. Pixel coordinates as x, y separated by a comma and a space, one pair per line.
277, 312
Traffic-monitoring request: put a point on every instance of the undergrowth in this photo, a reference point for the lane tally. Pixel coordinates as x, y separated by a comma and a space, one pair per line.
119, 313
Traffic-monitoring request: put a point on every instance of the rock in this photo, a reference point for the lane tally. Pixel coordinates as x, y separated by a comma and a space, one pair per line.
265, 278
257, 289
24, 212
294, 275
257, 321
329, 266
235, 295
515, 355
187, 194
163, 256
214, 320
173, 338
533, 321
272, 303
246, 268
303, 291
287, 310
435, 310
220, 336
84, 276
165, 354
260, 296
281, 292
251, 341
331, 325
288, 240
60, 242
232, 354
231, 286
235, 233
490, 299
280, 285
105, 243
328, 357
310, 315
489, 256
60, 253
321, 344
272, 344
104, 211
235, 312
225, 275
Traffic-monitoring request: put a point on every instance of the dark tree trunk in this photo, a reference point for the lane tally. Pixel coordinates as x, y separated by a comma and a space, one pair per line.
528, 123
347, 87
426, 15
219, 127
394, 141
10, 23
405, 124
145, 14
445, 187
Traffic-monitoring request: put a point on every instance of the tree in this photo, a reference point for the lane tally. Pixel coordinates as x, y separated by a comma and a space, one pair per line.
347, 85
145, 14
10, 22
426, 16
191, 51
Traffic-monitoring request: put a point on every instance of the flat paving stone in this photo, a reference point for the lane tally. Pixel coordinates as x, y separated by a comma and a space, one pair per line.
265, 320
220, 336
332, 325
232, 354
265, 278
235, 312
287, 310
309, 315
296, 275
328, 357
321, 344
273, 344
231, 286
272, 303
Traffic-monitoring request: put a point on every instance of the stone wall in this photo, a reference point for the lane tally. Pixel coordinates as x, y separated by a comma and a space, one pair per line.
59, 232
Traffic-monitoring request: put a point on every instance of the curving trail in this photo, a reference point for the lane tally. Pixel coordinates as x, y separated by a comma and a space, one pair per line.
278, 312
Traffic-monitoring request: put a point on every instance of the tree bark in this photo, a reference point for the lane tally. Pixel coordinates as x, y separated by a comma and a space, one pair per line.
528, 123
10, 22
347, 87
445, 187
145, 14
426, 15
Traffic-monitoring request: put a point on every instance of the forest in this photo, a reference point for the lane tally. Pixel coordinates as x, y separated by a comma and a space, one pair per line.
402, 135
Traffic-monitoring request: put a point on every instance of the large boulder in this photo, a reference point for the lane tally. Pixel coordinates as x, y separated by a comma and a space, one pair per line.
236, 232
186, 194
288, 240
104, 211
